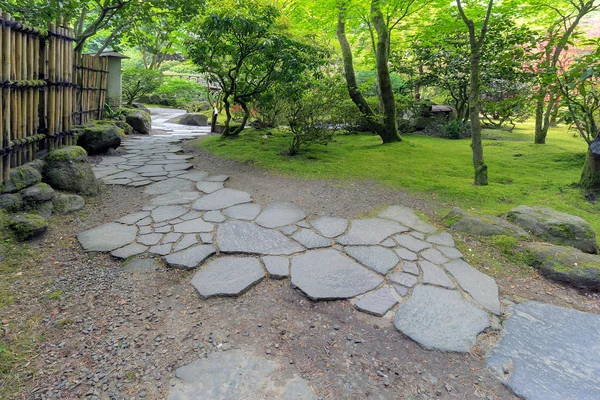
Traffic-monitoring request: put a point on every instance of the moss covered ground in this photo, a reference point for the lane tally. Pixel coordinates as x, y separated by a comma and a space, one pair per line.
520, 173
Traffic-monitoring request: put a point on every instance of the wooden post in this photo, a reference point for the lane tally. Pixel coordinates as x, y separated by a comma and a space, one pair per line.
52, 88
6, 109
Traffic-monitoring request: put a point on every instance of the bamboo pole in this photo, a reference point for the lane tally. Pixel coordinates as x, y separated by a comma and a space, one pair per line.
39, 91
2, 99
24, 97
32, 92
18, 48
52, 88
6, 109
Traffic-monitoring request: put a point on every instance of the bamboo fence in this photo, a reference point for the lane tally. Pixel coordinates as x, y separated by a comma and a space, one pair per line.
45, 89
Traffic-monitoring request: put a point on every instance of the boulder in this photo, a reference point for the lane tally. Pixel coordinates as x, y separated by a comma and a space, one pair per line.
142, 107
39, 193
555, 227
10, 202
44, 209
67, 169
28, 226
68, 203
139, 120
20, 178
486, 225
37, 164
127, 129
195, 119
564, 264
99, 136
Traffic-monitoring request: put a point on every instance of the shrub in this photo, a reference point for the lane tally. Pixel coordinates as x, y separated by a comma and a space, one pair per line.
455, 129
138, 82
179, 92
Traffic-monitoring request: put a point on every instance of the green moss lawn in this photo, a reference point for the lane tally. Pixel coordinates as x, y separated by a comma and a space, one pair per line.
519, 171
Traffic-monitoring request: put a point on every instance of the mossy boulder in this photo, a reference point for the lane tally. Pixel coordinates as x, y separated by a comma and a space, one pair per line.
485, 225
20, 178
139, 120
127, 129
68, 169
194, 119
10, 202
100, 136
140, 106
68, 203
37, 164
564, 264
44, 209
39, 193
28, 226
555, 227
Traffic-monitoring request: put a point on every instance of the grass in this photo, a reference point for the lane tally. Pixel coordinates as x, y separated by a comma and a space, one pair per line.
519, 172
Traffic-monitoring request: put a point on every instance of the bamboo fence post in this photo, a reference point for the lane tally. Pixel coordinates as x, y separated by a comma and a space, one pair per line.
2, 99
39, 91
52, 88
6, 109
32, 92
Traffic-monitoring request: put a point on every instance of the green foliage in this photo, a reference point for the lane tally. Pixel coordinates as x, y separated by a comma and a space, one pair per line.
138, 82
112, 114
179, 92
455, 130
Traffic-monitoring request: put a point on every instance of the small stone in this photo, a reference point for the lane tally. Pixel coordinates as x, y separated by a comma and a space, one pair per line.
403, 279
406, 254
190, 258
377, 302
310, 240
411, 243
277, 267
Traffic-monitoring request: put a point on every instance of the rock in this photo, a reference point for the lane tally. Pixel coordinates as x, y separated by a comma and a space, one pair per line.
329, 226
185, 242
209, 187
310, 240
406, 254
10, 202
443, 239
236, 374
440, 319
243, 211
278, 214
434, 275
564, 264
328, 275
214, 216
169, 186
141, 264
150, 239
377, 258
407, 217
555, 227
139, 120
377, 302
67, 169
411, 268
44, 209
68, 203
434, 256
404, 279
228, 276
127, 129
194, 226
142, 107
195, 176
487, 225
166, 213
245, 237
130, 250
38, 193
190, 258
194, 119
28, 226
107, 237
132, 218
369, 232
99, 136
480, 286
221, 199
37, 164
20, 178
277, 267
548, 353
411, 243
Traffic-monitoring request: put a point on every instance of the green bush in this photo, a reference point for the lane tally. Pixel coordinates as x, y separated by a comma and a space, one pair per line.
138, 82
178, 67
179, 92
455, 130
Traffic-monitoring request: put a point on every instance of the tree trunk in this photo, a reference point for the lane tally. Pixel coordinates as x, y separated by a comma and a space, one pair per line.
226, 105
240, 128
374, 125
590, 177
554, 115
543, 111
383, 73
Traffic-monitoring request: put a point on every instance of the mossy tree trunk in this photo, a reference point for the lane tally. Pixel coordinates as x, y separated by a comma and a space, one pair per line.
590, 177
375, 125
476, 44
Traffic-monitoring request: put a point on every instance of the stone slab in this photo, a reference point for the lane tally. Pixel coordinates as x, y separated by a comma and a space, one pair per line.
193, 226
404, 279
221, 199
245, 212
378, 302
369, 231
434, 275
411, 243
310, 240
246, 237
440, 319
165, 213
377, 258
130, 250
434, 256
407, 217
480, 286
327, 275
548, 353
406, 254
209, 187
330, 226
278, 214
169, 185
214, 216
107, 237
278, 267
228, 276
190, 258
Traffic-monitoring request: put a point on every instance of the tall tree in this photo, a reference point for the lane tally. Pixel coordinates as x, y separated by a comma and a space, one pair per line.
476, 42
569, 14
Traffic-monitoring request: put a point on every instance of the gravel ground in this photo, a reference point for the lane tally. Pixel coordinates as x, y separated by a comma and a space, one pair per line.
114, 334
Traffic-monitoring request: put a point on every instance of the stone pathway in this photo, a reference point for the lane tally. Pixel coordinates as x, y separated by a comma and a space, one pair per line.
161, 116
395, 266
